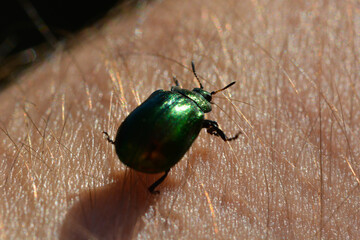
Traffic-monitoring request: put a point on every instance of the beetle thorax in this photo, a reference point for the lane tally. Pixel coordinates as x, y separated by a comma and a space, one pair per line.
201, 97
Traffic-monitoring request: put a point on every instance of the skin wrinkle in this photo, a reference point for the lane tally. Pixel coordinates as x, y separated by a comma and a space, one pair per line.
292, 174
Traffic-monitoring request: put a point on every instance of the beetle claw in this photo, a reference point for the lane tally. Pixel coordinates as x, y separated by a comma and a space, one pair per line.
154, 192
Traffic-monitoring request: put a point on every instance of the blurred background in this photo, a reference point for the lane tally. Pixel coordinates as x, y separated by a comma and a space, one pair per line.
29, 29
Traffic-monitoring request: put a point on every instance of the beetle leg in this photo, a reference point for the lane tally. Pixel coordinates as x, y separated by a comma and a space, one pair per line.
108, 138
157, 182
176, 81
213, 128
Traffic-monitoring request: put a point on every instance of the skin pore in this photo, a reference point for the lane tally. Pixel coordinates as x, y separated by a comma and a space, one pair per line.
293, 173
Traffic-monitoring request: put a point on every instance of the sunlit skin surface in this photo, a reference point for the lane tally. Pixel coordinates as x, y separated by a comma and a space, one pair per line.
292, 174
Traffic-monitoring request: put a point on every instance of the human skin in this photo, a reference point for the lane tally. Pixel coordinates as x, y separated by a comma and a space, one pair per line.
293, 173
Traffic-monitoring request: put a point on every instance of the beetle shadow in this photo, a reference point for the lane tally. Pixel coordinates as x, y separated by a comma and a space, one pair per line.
108, 212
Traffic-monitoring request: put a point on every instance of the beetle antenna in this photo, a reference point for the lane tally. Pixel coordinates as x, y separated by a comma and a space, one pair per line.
220, 90
108, 138
196, 76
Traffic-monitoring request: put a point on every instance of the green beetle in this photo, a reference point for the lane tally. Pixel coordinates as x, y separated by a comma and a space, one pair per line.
158, 133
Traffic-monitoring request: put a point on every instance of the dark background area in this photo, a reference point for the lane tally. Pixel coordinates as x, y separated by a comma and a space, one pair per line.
23, 38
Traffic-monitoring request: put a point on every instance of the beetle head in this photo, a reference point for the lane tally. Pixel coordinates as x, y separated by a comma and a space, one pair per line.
203, 93
207, 95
